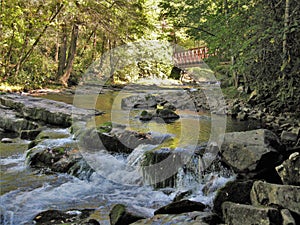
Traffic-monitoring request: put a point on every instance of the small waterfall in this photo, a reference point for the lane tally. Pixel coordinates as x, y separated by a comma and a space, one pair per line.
6, 217
137, 154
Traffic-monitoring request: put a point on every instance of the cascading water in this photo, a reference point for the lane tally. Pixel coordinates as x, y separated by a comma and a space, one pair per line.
118, 179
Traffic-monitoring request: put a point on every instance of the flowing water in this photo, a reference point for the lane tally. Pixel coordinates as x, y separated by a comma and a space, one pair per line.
25, 192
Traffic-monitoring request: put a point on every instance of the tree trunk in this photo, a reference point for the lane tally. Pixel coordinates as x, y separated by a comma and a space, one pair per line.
28, 53
71, 55
234, 73
285, 34
62, 52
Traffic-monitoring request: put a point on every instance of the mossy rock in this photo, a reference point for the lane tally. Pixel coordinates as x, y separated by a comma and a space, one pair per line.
122, 215
105, 127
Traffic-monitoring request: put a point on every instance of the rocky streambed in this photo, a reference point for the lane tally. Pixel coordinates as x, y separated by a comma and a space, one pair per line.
123, 176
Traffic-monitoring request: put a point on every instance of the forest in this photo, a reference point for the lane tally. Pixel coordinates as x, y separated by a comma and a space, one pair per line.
53, 42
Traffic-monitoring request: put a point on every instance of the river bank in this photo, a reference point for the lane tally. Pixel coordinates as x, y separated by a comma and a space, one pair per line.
260, 162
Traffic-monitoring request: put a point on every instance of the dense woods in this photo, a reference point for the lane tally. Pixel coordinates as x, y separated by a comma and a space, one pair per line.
55, 41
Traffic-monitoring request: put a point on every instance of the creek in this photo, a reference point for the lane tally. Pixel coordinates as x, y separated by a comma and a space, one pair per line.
26, 192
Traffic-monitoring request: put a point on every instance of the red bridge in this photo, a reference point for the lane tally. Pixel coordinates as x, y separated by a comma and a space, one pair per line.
191, 57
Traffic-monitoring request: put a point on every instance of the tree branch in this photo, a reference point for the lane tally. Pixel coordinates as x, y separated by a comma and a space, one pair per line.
23, 59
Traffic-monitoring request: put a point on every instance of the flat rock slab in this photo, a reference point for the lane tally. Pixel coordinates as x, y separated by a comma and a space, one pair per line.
11, 121
284, 196
236, 214
45, 110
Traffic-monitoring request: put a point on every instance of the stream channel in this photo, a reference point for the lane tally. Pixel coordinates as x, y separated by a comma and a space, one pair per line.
26, 192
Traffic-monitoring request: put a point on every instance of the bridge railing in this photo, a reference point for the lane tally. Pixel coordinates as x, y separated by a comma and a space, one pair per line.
191, 57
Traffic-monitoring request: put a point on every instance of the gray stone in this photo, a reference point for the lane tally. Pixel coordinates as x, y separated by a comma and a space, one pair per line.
75, 216
118, 140
160, 167
191, 218
248, 153
287, 136
285, 196
237, 214
289, 170
287, 218
10, 121
59, 155
7, 140
30, 134
124, 215
233, 191
44, 110
180, 207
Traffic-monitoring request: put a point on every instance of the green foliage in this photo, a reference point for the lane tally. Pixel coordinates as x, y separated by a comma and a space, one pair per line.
33, 34
105, 127
261, 38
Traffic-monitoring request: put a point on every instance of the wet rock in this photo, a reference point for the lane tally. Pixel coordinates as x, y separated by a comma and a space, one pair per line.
289, 170
167, 115
11, 121
251, 153
7, 140
46, 111
50, 134
237, 214
123, 215
287, 136
181, 195
233, 191
59, 156
118, 139
191, 218
30, 134
282, 196
146, 116
139, 101
160, 167
180, 207
74, 216
287, 218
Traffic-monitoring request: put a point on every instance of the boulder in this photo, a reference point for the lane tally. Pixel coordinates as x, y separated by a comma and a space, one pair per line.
167, 115
289, 170
49, 134
45, 110
30, 134
283, 196
234, 191
11, 121
181, 195
160, 167
287, 218
180, 207
237, 214
288, 136
7, 140
60, 156
191, 218
116, 139
251, 153
74, 216
139, 101
123, 215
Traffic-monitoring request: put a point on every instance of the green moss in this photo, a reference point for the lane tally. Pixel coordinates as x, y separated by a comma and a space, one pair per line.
105, 127
59, 150
116, 213
144, 113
